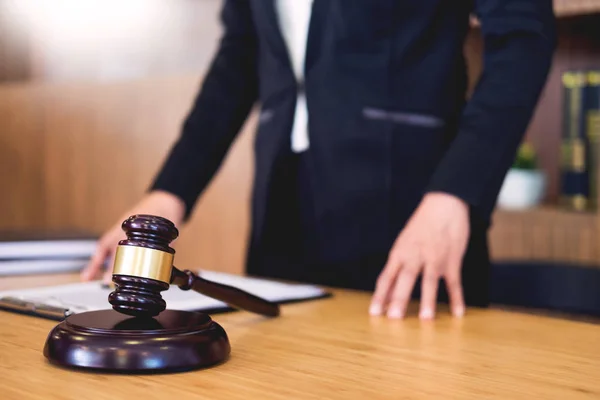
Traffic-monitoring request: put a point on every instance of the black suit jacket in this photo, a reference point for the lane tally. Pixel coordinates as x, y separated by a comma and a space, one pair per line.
388, 119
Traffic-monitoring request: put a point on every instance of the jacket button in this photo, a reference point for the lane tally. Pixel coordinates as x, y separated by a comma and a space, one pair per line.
300, 87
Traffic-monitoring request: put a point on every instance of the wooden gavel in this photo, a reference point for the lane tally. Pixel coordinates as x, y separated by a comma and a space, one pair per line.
143, 268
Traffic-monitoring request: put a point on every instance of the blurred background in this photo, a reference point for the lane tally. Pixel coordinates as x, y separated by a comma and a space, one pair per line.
93, 94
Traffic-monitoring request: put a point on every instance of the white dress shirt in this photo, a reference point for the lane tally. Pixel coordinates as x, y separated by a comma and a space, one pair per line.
294, 20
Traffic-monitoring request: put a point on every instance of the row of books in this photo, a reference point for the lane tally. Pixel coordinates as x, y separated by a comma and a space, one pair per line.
580, 148
43, 252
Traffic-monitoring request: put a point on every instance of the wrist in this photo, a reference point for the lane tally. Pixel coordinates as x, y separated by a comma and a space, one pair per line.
167, 204
446, 202
445, 197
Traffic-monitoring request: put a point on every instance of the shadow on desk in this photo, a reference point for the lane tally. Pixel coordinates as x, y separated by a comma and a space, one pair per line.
564, 289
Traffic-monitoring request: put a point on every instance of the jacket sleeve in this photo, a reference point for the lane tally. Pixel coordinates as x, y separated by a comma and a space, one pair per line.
519, 40
221, 107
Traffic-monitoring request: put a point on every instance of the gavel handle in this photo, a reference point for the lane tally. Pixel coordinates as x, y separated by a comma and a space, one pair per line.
235, 297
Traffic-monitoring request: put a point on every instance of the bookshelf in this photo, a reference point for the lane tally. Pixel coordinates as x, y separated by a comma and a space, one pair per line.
551, 232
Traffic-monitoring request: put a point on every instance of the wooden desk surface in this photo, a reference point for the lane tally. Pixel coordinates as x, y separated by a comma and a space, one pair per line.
331, 349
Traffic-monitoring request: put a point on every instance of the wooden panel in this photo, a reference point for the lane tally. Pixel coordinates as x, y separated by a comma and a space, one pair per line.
21, 144
565, 8
81, 155
545, 234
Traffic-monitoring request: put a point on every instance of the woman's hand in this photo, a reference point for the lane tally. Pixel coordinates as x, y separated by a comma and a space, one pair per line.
157, 203
433, 243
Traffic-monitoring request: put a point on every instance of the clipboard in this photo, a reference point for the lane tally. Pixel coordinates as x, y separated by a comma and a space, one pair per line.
60, 301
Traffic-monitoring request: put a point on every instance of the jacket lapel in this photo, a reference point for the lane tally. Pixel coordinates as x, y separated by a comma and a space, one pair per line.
315, 33
274, 36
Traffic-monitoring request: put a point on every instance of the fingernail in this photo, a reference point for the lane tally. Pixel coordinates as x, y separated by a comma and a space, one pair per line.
459, 311
395, 313
426, 313
375, 309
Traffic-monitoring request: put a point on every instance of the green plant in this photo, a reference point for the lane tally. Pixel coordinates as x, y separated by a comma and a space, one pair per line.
526, 157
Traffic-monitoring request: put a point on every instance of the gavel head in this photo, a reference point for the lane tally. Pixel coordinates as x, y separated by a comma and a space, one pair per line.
143, 265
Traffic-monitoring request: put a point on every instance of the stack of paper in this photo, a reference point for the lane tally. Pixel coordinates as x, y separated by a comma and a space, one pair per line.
40, 252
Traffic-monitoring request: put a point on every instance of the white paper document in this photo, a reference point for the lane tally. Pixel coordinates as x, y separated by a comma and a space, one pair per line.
91, 296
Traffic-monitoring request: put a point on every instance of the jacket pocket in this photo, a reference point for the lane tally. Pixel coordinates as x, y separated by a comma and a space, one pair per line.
265, 116
401, 117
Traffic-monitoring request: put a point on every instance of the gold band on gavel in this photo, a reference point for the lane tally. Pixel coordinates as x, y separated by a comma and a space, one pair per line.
143, 262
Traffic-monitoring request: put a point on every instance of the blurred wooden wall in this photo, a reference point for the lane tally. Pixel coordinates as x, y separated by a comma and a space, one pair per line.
88, 111
79, 155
